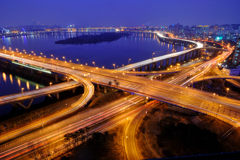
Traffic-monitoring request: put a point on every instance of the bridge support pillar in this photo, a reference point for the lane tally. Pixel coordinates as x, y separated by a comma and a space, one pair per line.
183, 57
97, 88
73, 90
223, 82
31, 71
148, 67
25, 107
161, 64
167, 62
140, 68
145, 68
105, 89
179, 59
57, 95
154, 66
136, 69
173, 61
56, 77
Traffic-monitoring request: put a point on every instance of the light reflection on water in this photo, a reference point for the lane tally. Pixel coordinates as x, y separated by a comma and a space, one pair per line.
12, 84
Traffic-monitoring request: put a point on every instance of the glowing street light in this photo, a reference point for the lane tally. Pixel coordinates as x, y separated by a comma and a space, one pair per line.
129, 60
52, 56
22, 90
93, 63
153, 54
114, 65
77, 60
227, 91
50, 84
64, 58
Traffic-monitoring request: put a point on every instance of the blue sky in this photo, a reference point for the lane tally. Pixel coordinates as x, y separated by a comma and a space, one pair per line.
119, 12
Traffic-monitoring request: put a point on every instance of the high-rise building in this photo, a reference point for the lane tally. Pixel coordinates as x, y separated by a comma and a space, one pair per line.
236, 55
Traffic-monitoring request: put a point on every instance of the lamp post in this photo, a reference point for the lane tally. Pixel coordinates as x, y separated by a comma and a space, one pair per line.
77, 60
93, 63
129, 60
64, 58
52, 56
22, 90
50, 84
227, 91
153, 54
114, 65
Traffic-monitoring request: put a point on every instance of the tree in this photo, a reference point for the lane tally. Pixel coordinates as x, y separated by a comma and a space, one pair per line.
87, 129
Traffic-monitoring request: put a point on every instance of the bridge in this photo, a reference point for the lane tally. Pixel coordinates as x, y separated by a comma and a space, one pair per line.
216, 77
164, 92
222, 107
19, 98
177, 57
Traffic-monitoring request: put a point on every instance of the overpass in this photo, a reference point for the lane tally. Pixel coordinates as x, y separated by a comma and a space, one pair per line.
174, 70
190, 98
217, 77
173, 57
19, 98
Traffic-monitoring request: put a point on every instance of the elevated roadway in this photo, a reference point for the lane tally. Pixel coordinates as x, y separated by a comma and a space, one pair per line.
18, 98
81, 102
167, 56
176, 70
217, 77
168, 93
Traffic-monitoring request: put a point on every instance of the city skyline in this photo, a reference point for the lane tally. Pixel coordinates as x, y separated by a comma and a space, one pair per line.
114, 13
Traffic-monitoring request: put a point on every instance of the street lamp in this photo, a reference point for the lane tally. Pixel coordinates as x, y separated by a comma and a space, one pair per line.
227, 91
22, 90
64, 59
77, 60
153, 54
93, 63
52, 56
129, 60
50, 84
114, 65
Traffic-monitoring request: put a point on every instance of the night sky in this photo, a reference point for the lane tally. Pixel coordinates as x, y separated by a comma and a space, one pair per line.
119, 12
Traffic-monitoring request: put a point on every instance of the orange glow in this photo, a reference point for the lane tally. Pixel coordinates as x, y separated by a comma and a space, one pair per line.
27, 84
11, 79
19, 82
4, 77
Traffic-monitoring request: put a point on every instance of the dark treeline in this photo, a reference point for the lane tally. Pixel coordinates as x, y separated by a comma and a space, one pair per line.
89, 39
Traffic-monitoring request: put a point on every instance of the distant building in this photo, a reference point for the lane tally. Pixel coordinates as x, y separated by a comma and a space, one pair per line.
236, 55
16, 32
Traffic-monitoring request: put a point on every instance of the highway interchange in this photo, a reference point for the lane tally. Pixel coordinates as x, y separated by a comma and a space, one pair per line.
174, 94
